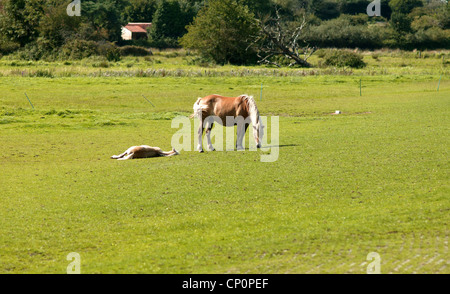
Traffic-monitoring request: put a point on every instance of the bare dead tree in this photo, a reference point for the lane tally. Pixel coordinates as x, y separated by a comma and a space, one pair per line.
276, 39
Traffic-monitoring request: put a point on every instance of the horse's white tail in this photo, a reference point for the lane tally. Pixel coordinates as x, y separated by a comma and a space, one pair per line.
198, 108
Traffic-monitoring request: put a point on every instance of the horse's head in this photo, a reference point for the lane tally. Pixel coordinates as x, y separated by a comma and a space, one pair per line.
259, 132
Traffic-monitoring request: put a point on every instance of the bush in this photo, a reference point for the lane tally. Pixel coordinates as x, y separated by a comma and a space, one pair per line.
32, 51
108, 50
201, 61
321, 53
7, 47
79, 49
342, 58
424, 22
345, 32
164, 43
432, 38
101, 64
134, 51
42, 73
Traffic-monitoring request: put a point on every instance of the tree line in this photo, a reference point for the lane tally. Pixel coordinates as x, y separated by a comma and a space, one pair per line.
225, 31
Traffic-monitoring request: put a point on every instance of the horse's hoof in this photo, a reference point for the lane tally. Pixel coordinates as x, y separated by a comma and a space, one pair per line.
201, 151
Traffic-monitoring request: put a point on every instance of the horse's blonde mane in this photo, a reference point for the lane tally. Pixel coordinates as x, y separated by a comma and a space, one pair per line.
253, 110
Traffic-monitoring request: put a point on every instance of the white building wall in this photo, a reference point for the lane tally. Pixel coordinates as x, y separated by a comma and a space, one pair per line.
126, 34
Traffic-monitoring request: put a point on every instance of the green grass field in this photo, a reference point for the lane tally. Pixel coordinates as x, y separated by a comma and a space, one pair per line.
372, 179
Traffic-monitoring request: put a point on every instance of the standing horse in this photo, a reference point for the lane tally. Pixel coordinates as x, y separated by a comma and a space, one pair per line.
228, 111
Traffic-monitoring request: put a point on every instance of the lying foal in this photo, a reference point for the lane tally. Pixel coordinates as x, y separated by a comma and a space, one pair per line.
143, 151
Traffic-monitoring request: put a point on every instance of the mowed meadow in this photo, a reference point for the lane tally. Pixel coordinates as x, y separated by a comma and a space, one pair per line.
374, 178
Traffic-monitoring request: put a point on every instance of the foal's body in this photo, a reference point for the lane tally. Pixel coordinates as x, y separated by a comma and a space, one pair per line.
143, 151
228, 111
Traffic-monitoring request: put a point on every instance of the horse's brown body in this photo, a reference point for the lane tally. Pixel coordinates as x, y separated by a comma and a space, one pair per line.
222, 107
143, 151
228, 111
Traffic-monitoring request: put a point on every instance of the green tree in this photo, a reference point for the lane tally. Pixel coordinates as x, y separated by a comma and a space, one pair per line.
291, 9
189, 9
20, 19
167, 21
326, 9
401, 22
105, 15
170, 21
353, 6
443, 16
140, 10
404, 6
259, 7
223, 31
56, 27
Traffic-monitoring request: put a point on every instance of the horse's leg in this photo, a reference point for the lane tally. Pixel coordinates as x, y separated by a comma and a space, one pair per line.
200, 134
118, 156
240, 135
209, 126
170, 153
128, 151
129, 156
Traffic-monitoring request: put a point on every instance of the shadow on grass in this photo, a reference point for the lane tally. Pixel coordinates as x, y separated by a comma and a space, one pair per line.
280, 146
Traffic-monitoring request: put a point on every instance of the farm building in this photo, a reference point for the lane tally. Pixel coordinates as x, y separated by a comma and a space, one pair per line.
135, 31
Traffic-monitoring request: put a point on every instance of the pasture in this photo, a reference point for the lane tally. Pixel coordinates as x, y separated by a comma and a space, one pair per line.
371, 179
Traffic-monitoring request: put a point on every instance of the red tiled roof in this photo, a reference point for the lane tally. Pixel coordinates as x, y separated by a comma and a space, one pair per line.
135, 29
138, 27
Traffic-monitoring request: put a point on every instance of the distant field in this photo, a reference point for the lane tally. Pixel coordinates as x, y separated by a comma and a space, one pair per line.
372, 179
181, 63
